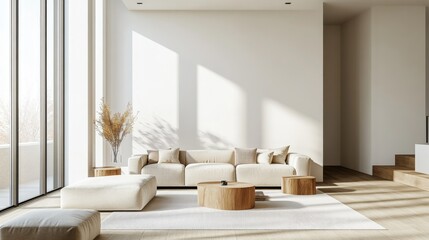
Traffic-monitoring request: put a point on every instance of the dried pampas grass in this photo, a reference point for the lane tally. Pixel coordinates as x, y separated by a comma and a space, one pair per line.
114, 127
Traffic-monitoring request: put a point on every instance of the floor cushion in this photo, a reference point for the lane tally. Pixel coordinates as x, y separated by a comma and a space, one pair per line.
121, 192
55, 224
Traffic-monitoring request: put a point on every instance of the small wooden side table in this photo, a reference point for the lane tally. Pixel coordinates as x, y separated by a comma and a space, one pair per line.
299, 185
106, 171
234, 196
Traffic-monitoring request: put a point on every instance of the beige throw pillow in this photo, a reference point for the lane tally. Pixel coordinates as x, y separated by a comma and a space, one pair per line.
280, 154
265, 157
245, 156
169, 156
153, 156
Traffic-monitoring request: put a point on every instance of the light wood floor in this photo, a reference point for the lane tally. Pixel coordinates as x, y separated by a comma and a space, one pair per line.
402, 210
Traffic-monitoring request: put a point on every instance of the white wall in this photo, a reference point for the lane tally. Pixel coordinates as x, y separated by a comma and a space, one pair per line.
356, 93
383, 85
398, 80
205, 79
332, 95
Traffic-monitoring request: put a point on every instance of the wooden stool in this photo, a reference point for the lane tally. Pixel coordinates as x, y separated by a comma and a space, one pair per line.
106, 171
299, 185
234, 196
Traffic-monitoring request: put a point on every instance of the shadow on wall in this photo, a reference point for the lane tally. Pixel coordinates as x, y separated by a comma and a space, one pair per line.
160, 134
211, 141
157, 134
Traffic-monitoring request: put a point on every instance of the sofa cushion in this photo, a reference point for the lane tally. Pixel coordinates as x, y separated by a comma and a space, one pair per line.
263, 174
210, 156
280, 154
169, 156
245, 155
265, 157
166, 174
153, 156
208, 172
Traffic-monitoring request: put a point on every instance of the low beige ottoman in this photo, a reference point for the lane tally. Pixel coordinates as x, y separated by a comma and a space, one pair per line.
122, 192
53, 224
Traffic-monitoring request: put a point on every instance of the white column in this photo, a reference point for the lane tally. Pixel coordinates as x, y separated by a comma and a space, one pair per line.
78, 138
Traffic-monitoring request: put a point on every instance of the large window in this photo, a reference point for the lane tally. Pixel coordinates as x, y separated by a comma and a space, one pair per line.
30, 99
5, 106
53, 96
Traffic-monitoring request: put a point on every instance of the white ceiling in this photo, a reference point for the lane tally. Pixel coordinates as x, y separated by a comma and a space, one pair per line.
338, 11
221, 4
335, 11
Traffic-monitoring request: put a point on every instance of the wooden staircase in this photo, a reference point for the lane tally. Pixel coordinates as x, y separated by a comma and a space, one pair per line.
402, 162
403, 172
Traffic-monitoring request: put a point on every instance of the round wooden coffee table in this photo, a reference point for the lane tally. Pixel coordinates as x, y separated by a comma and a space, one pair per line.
106, 171
234, 196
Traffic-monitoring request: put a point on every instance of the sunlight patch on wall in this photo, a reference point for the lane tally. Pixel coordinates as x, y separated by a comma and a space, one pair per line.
221, 109
155, 94
285, 126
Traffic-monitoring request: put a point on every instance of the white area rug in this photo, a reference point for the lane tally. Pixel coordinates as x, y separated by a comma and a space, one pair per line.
178, 209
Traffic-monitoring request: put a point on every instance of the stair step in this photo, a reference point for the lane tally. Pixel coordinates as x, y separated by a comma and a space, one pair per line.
386, 171
405, 160
412, 178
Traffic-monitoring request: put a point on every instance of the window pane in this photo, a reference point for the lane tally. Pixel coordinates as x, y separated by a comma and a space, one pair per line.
99, 74
29, 98
50, 98
5, 109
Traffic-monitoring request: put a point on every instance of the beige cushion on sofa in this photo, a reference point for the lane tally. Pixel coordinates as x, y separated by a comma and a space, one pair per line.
207, 172
182, 157
169, 156
265, 157
263, 174
153, 156
245, 156
166, 174
280, 154
210, 156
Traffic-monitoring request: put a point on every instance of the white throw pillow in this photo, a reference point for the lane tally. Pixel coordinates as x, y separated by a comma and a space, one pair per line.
245, 156
169, 156
265, 157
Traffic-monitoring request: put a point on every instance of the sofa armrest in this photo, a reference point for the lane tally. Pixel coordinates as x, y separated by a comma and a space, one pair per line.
300, 162
136, 163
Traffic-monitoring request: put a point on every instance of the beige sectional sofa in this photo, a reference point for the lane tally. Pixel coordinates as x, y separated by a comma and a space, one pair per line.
214, 165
